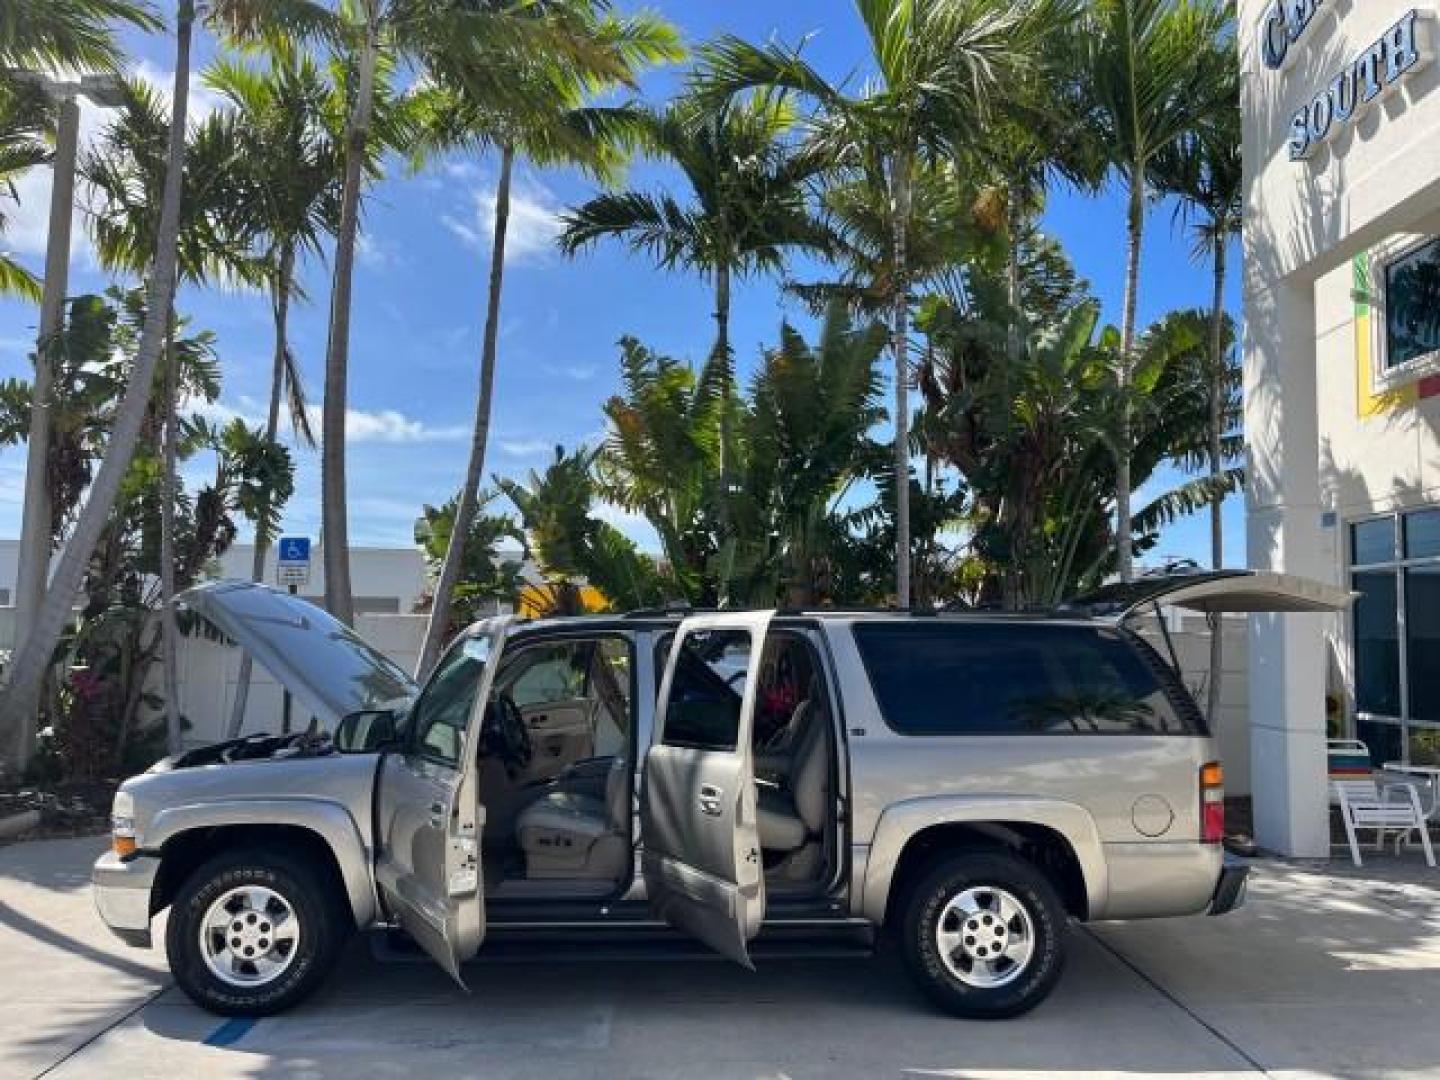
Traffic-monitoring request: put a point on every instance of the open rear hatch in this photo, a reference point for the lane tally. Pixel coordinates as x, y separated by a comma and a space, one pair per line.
1210, 592
1213, 592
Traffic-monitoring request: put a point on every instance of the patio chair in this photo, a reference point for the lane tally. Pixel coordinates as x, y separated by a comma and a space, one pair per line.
1366, 804
1348, 759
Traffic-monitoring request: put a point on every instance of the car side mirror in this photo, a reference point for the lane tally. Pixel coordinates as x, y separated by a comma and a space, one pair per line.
367, 731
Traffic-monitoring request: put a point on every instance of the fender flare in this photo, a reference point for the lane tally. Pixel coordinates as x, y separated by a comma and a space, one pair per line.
329, 820
903, 820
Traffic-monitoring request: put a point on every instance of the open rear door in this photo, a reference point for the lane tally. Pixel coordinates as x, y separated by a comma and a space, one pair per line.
701, 858
428, 860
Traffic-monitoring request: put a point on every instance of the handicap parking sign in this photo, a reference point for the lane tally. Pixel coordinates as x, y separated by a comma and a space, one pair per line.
292, 561
294, 549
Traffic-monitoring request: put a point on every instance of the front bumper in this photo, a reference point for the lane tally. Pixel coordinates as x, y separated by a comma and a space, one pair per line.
1230, 889
122, 890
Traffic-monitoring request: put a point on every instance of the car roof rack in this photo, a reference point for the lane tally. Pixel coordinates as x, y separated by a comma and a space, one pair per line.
668, 609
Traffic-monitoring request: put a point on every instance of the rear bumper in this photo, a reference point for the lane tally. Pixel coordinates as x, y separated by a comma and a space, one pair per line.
122, 891
1230, 889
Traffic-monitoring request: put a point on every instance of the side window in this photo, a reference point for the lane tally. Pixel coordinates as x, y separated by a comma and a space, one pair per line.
554, 673
936, 678
441, 715
707, 690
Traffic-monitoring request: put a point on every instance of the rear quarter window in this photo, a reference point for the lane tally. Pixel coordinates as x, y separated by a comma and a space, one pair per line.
971, 678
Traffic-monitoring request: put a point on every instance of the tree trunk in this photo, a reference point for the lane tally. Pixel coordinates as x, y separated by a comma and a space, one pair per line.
33, 654
280, 309
37, 514
722, 354
1010, 592
335, 538
899, 343
168, 629
466, 506
1124, 546
1012, 276
1217, 521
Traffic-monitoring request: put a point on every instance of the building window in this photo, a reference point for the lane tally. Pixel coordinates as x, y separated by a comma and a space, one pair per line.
1395, 569
1410, 287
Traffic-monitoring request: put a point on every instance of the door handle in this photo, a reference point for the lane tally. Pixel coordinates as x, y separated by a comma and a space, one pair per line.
437, 814
710, 797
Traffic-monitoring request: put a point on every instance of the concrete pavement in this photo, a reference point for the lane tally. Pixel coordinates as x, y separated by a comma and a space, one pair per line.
1321, 974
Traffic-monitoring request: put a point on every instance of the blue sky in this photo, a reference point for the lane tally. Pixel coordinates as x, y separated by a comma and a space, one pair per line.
419, 306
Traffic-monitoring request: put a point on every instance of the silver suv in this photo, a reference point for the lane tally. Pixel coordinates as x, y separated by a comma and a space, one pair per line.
968, 782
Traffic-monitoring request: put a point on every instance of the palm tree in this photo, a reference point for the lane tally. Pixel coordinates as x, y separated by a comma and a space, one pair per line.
531, 107
748, 208
372, 36
289, 164
25, 125
126, 175
805, 433
32, 655
569, 543
1151, 68
660, 457
67, 33
41, 34
938, 64
1204, 171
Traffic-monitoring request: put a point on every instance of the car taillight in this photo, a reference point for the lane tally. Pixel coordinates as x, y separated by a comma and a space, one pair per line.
1212, 803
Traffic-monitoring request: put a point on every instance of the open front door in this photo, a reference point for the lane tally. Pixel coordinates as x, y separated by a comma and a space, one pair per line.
701, 857
428, 864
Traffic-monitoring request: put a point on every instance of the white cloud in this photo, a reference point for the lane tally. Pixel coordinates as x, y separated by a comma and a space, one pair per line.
578, 372
361, 425
374, 253
534, 220
524, 447
391, 426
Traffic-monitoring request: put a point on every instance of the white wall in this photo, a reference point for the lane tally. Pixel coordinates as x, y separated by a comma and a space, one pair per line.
392, 576
385, 580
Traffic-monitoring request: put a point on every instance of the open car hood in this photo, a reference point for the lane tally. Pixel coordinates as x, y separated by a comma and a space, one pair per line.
329, 669
1213, 591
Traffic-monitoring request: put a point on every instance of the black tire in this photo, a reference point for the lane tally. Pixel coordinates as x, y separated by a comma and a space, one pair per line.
324, 925
1027, 984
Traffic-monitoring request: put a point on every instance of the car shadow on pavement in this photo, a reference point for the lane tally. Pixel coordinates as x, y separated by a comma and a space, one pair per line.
38, 931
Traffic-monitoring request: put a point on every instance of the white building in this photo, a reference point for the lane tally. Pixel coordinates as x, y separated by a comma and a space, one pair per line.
1341, 103
384, 581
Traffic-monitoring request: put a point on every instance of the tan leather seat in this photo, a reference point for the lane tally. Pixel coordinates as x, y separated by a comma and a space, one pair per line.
566, 835
793, 815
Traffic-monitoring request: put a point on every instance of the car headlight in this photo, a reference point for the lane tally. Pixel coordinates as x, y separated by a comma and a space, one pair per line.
122, 824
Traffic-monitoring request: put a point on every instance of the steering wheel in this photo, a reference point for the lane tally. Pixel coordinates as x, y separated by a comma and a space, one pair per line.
511, 736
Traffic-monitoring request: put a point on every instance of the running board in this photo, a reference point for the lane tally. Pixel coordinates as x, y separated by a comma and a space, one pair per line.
645, 942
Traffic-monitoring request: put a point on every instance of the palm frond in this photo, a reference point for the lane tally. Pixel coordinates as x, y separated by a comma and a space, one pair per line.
1193, 495
295, 401
76, 34
16, 281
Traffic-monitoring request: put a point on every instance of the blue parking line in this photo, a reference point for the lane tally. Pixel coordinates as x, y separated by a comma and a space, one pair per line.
230, 1032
